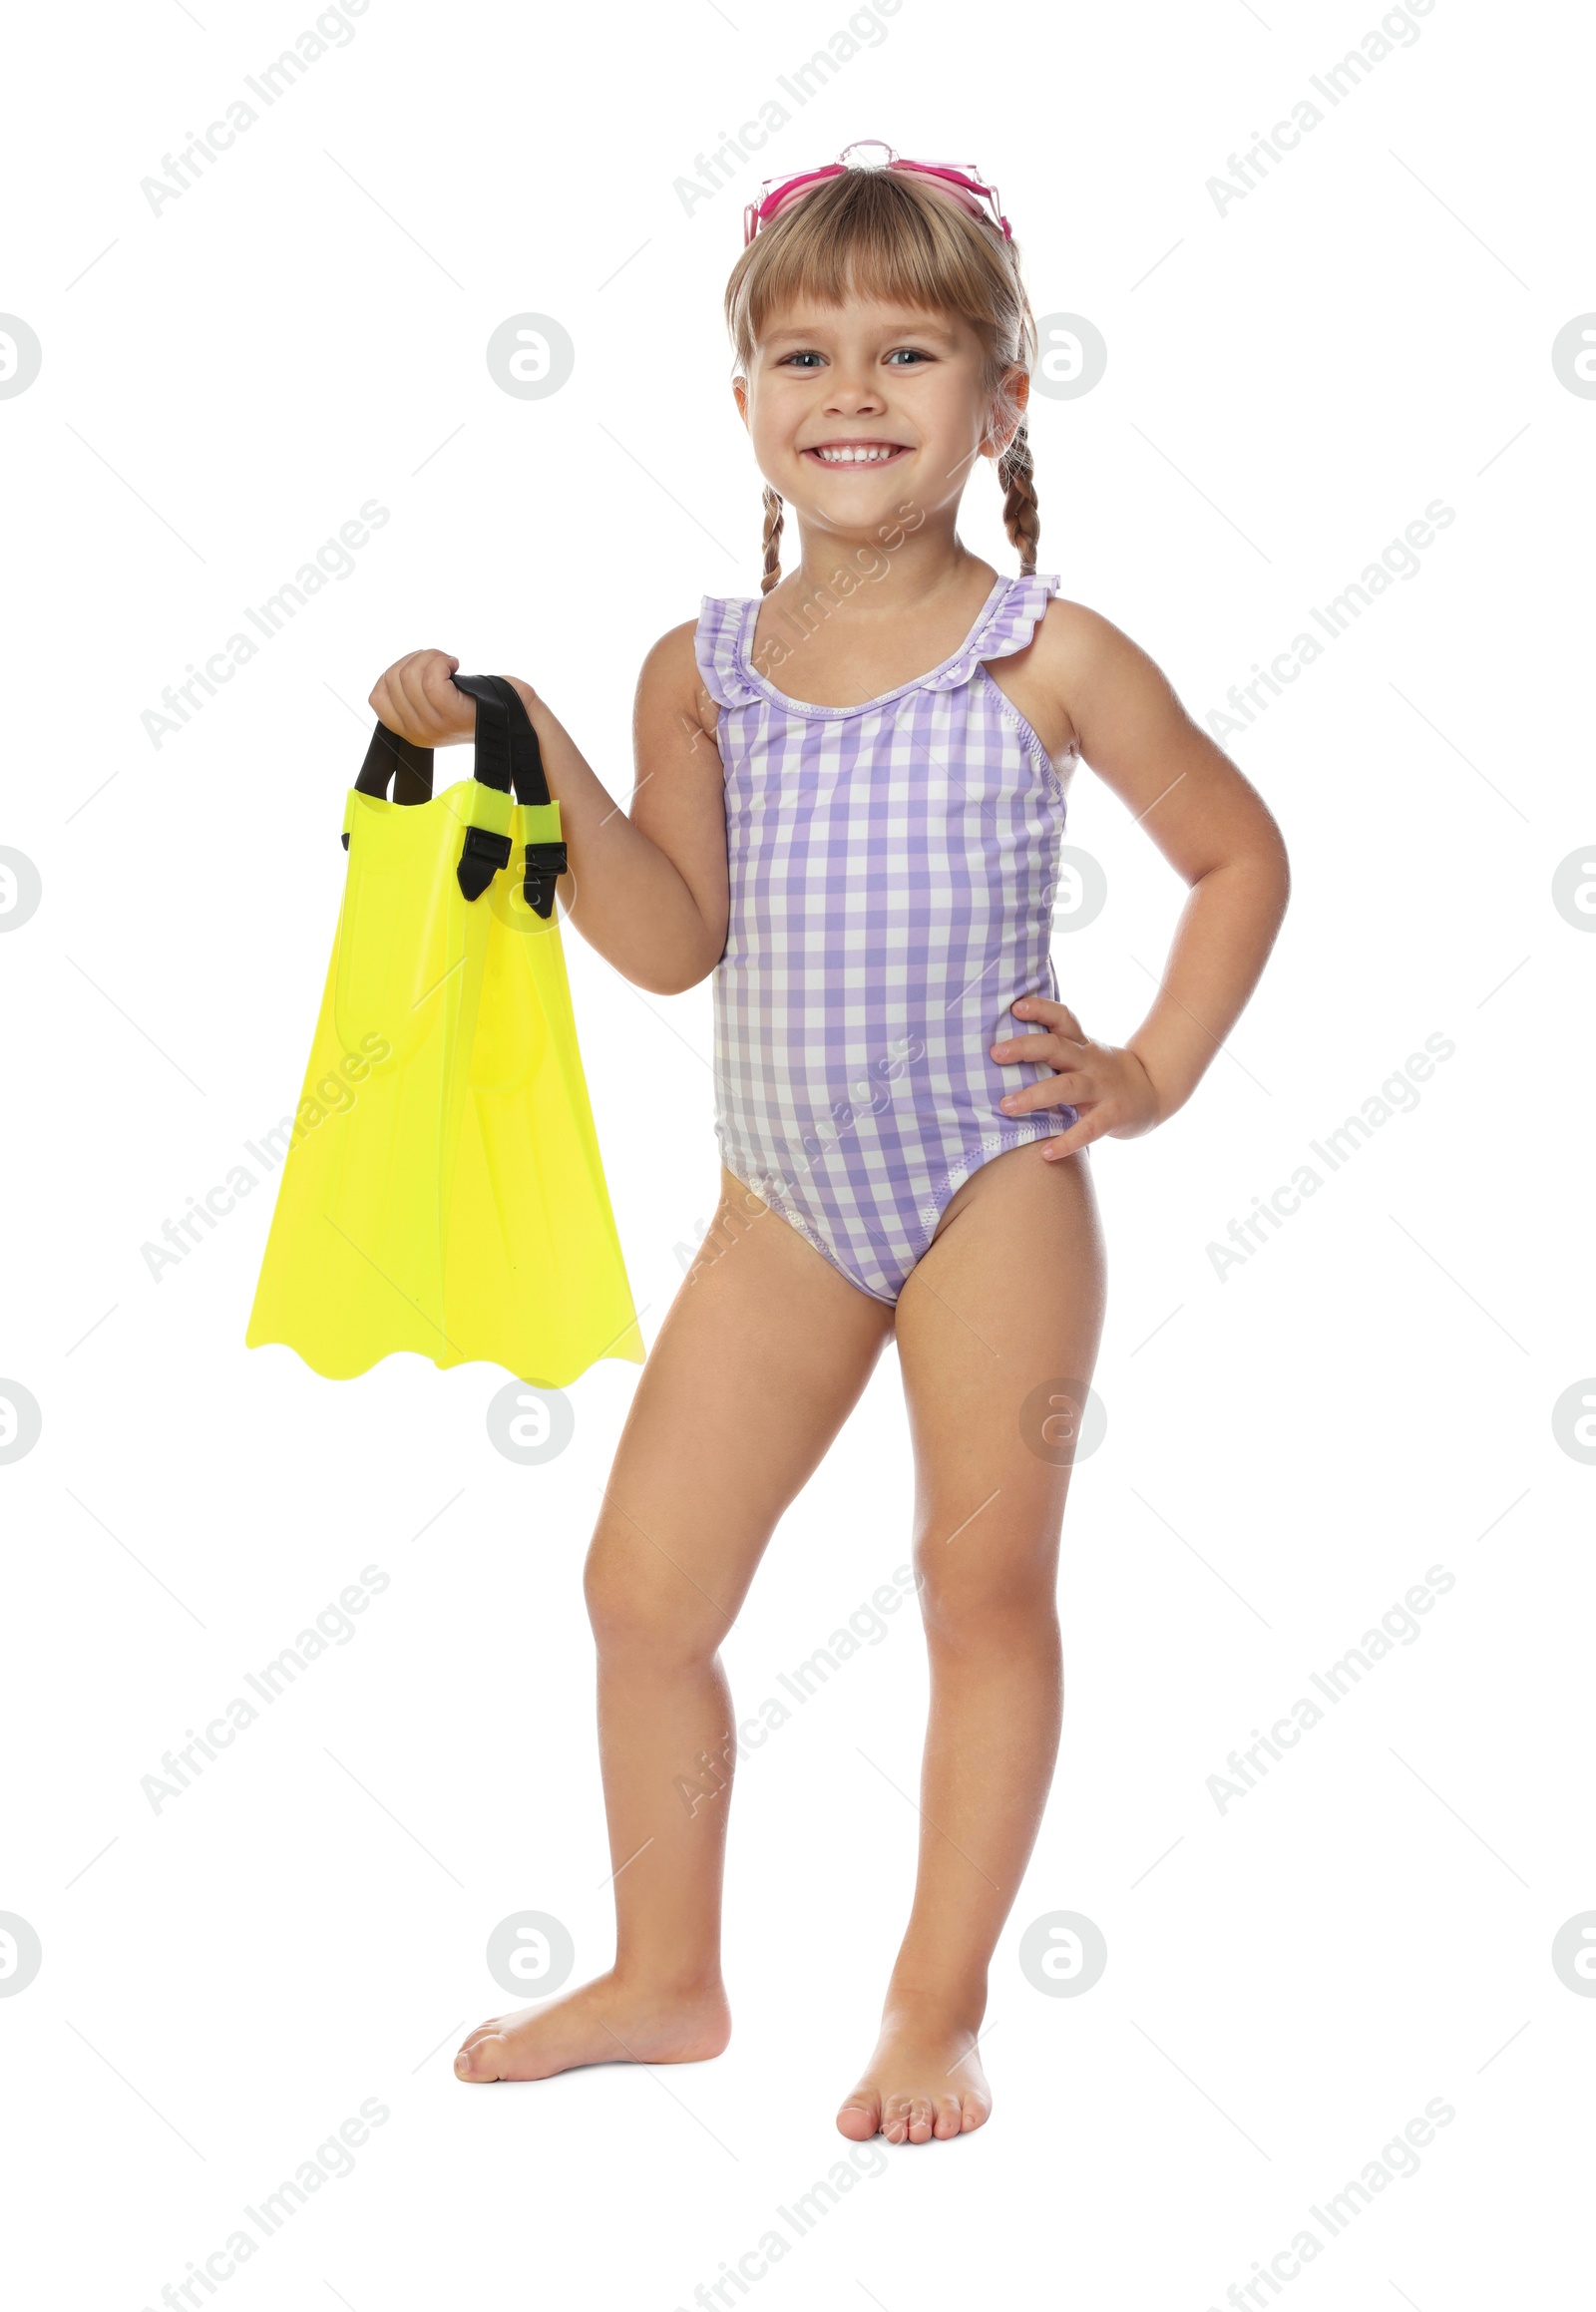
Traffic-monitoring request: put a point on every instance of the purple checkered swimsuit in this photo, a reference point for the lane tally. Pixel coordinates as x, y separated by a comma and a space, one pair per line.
893, 867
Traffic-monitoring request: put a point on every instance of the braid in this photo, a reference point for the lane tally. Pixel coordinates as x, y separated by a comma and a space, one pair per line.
772, 569
1017, 476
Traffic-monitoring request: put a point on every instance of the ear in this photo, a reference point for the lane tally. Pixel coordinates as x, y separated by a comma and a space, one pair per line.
1002, 431
739, 388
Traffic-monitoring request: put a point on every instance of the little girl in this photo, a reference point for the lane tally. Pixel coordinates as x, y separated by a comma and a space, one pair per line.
848, 801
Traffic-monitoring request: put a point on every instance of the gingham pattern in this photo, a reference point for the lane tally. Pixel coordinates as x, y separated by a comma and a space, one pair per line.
892, 870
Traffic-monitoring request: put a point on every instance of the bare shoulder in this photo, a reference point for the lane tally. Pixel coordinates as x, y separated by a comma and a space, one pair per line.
678, 799
1077, 645
1088, 675
1130, 726
670, 682
1072, 649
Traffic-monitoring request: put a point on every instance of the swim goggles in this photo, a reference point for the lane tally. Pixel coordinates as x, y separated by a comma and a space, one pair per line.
964, 184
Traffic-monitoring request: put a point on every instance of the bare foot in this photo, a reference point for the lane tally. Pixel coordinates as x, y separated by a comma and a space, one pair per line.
924, 2079
606, 2020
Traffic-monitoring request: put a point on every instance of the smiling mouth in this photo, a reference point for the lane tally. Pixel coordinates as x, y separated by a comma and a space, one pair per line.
855, 457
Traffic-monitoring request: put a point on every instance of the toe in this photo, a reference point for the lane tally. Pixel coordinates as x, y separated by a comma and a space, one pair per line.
950, 2118
977, 2112
920, 2119
860, 2116
479, 2057
895, 2120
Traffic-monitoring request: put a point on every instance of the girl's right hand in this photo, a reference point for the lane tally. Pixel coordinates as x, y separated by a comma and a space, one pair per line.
416, 699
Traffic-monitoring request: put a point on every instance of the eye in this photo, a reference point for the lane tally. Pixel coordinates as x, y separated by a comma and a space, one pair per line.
798, 357
911, 353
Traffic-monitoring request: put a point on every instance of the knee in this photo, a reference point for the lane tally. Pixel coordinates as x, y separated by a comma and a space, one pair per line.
640, 1606
1003, 1602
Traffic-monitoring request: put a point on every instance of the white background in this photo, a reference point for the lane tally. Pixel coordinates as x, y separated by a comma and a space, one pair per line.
1288, 1450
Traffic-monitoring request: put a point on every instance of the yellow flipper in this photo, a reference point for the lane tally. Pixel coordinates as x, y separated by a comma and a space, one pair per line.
443, 1191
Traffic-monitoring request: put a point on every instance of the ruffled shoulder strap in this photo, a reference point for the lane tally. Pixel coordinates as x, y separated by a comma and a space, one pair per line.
719, 641
1008, 626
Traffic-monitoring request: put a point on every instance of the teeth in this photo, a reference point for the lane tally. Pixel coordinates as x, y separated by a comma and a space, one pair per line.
852, 457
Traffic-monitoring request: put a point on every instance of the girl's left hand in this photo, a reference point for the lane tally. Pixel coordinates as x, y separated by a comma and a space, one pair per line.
1106, 1082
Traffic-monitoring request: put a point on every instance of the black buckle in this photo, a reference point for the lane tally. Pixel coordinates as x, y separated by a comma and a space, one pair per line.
479, 861
544, 861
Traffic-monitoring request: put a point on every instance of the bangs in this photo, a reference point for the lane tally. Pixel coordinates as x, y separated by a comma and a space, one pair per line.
873, 236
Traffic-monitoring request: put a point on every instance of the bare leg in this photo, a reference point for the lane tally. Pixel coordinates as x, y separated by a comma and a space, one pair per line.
763, 1356
1009, 1298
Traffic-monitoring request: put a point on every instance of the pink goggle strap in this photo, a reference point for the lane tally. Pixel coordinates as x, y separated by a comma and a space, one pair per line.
976, 199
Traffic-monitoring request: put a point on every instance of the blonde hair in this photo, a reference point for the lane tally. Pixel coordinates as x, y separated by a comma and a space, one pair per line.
874, 233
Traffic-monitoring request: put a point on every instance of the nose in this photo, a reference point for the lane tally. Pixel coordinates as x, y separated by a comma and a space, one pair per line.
853, 392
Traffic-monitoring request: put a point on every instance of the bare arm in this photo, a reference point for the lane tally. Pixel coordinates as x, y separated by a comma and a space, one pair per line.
1215, 830
650, 892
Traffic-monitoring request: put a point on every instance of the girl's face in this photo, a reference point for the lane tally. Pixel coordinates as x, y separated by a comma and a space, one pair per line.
856, 410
